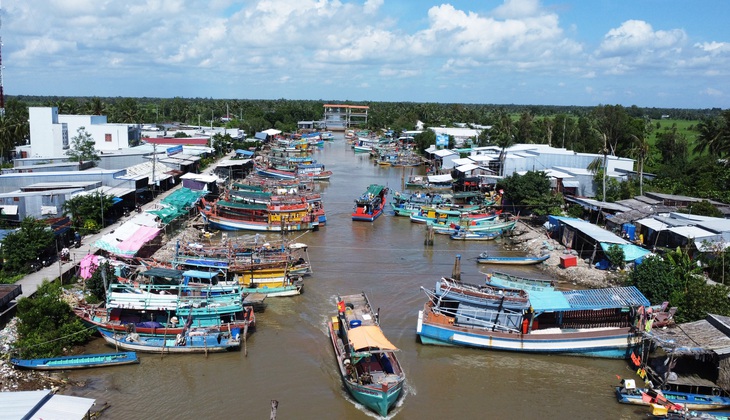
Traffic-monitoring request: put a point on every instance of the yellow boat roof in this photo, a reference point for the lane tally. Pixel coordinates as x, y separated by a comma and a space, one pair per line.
369, 336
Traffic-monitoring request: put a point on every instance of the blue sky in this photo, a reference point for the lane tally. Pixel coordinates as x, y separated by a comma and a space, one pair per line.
649, 53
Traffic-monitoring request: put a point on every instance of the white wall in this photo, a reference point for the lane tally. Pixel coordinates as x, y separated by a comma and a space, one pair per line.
51, 133
48, 136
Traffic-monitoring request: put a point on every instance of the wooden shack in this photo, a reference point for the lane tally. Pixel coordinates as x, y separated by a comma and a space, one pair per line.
691, 357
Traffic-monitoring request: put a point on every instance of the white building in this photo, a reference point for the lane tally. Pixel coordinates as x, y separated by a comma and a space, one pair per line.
51, 133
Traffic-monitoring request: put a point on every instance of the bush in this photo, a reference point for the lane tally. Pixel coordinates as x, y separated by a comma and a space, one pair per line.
47, 324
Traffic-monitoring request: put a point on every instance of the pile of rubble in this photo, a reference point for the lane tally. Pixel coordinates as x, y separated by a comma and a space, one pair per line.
536, 241
12, 379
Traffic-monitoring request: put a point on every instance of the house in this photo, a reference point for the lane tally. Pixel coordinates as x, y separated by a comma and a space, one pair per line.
51, 133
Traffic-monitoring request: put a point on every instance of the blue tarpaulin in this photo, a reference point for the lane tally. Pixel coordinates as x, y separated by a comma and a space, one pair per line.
244, 152
631, 252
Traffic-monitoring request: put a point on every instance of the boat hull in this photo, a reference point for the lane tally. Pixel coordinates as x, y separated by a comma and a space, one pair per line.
208, 343
83, 361
690, 401
512, 260
614, 343
231, 225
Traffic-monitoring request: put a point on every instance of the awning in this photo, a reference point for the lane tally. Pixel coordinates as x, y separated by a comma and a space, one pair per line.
9, 210
443, 152
272, 131
466, 168
440, 179
571, 184
631, 252
652, 224
369, 336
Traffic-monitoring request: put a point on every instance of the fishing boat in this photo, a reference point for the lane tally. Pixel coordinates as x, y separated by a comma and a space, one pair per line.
595, 322
365, 358
444, 216
195, 340
430, 182
155, 301
473, 226
274, 286
485, 258
80, 361
466, 235
509, 281
226, 215
485, 296
369, 206
628, 393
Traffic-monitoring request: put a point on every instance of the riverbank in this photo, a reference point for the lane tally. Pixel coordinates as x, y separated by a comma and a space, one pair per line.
534, 240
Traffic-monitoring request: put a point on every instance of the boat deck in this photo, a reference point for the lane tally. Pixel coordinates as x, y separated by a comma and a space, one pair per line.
358, 308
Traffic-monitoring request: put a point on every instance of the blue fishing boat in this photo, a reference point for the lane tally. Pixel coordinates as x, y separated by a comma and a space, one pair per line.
630, 394
466, 235
485, 258
369, 206
509, 281
365, 358
194, 340
595, 322
80, 361
448, 289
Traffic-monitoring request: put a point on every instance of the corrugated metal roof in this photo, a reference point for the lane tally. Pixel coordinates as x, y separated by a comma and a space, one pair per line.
64, 407
595, 232
691, 231
653, 224
43, 404
468, 167
614, 297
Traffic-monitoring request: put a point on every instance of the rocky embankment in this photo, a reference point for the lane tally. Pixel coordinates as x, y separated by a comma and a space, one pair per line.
534, 240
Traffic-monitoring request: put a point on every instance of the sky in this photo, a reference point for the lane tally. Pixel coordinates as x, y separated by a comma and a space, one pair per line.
648, 53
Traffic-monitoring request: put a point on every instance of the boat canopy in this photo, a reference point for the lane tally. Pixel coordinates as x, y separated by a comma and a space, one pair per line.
369, 336
440, 179
200, 274
613, 297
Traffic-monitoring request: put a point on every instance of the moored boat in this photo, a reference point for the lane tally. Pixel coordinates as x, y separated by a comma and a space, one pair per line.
628, 393
79, 361
596, 322
484, 296
509, 281
485, 258
196, 340
365, 358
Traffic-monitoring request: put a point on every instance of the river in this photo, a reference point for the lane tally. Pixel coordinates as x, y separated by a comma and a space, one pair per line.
291, 360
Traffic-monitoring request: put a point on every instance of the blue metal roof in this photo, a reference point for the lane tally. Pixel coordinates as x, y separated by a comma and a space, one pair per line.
200, 274
614, 297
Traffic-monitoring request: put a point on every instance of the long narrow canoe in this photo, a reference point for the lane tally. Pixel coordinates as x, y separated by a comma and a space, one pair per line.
487, 259
81, 361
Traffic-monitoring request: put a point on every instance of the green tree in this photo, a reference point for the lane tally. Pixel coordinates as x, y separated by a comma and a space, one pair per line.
616, 256
82, 147
702, 208
47, 324
424, 140
654, 278
531, 193
87, 208
97, 285
25, 245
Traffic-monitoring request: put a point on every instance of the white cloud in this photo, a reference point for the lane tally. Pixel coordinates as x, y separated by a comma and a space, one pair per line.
638, 37
711, 92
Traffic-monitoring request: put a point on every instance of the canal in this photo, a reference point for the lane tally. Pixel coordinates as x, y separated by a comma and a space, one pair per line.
290, 358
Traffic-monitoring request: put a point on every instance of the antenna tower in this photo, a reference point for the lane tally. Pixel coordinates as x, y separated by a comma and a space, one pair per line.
2, 94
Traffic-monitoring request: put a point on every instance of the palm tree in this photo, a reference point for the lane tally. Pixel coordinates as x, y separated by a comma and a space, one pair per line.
95, 106
641, 150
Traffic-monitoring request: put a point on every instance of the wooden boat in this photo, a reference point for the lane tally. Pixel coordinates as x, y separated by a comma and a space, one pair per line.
81, 361
275, 286
194, 340
365, 358
474, 226
369, 206
485, 258
595, 322
643, 396
508, 281
226, 215
154, 303
466, 235
484, 296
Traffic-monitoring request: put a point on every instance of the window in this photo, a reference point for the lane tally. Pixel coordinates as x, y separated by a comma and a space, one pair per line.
107, 137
